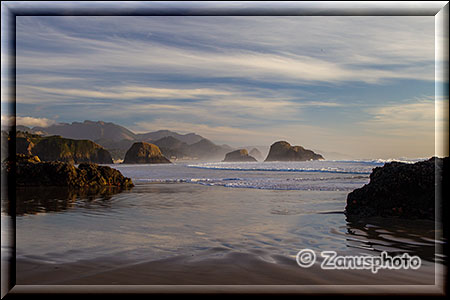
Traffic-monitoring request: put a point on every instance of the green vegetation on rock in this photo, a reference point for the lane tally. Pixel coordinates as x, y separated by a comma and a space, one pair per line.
239, 155
144, 153
56, 148
283, 151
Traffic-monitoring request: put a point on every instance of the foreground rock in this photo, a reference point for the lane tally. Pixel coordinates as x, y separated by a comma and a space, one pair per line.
283, 151
30, 171
144, 153
238, 156
400, 189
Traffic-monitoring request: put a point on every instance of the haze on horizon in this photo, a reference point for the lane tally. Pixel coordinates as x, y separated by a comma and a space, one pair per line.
361, 86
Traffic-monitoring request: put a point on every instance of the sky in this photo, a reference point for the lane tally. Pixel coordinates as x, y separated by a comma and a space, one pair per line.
360, 86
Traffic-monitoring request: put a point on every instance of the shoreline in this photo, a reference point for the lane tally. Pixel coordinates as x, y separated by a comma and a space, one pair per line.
236, 268
258, 261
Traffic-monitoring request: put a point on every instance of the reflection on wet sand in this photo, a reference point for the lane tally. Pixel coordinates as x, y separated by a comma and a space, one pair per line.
395, 236
33, 200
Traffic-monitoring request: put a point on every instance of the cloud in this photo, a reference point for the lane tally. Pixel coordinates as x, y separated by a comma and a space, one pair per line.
413, 119
130, 92
224, 106
268, 48
236, 79
32, 122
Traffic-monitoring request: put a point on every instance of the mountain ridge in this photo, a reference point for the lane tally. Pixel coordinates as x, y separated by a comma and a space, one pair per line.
118, 139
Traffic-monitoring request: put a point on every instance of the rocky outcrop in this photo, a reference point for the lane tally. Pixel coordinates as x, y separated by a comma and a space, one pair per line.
118, 139
56, 148
283, 151
238, 155
256, 154
30, 171
144, 153
400, 189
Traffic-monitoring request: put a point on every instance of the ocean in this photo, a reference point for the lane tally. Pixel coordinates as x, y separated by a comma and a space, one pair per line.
211, 211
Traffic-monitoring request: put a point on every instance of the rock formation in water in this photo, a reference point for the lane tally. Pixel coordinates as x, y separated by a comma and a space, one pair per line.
401, 189
238, 156
256, 154
118, 139
144, 153
30, 171
283, 151
56, 148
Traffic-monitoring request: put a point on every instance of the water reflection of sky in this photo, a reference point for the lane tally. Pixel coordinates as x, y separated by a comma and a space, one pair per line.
155, 221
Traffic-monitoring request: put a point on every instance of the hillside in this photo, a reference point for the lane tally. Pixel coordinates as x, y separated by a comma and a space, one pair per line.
118, 139
189, 138
89, 130
56, 148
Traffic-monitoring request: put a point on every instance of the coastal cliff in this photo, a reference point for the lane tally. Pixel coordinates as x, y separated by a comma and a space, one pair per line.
283, 151
144, 153
56, 148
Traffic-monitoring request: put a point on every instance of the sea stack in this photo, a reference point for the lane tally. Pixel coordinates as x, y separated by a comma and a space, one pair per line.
402, 190
238, 156
144, 153
283, 151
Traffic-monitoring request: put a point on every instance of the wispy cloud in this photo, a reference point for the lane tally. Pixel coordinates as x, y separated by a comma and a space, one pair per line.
413, 119
239, 47
26, 121
130, 92
308, 80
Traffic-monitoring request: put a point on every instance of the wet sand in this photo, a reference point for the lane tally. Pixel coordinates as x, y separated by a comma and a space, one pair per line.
174, 236
231, 269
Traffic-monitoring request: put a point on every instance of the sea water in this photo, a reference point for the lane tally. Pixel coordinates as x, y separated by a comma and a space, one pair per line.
211, 209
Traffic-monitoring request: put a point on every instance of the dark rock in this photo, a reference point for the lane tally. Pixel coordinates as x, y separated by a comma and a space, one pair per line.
400, 189
238, 155
30, 171
144, 153
103, 175
283, 151
24, 146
